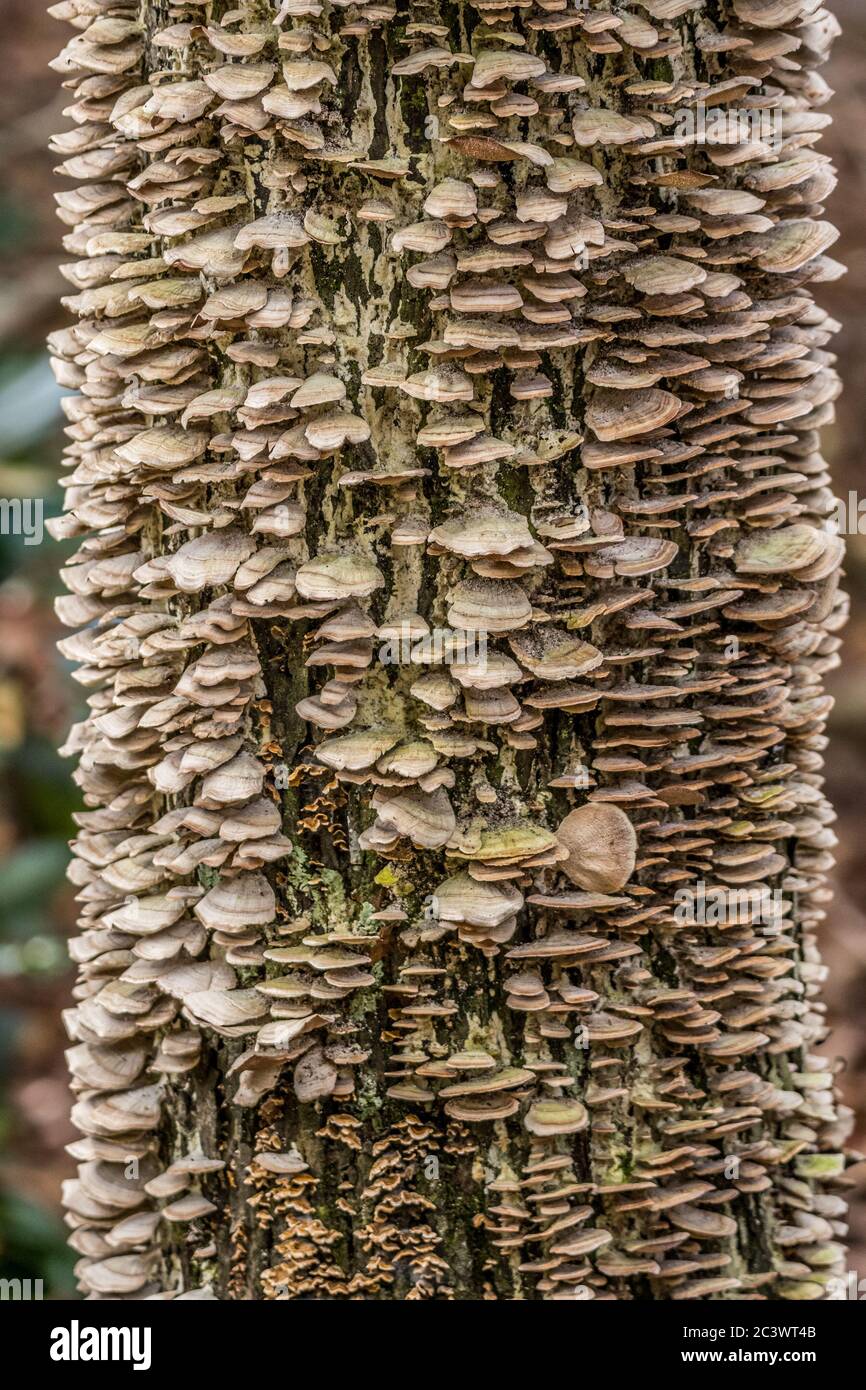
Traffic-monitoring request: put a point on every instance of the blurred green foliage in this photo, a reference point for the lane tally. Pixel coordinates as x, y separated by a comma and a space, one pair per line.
37, 799
34, 1246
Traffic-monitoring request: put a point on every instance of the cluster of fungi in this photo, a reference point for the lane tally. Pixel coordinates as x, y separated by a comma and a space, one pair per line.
455, 579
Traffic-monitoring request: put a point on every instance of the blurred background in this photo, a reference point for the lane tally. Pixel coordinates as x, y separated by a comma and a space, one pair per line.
38, 700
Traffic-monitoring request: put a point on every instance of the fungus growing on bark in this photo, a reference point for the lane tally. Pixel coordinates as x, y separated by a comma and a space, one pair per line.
455, 582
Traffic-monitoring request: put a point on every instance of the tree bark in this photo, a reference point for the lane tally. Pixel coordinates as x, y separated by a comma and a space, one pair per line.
457, 578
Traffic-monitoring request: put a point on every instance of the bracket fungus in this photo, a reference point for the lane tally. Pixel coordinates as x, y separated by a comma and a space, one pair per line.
455, 583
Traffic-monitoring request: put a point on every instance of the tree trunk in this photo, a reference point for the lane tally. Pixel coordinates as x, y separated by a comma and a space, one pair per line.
456, 582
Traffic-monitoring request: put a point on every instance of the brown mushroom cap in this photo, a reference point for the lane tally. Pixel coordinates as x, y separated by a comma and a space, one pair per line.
602, 847
548, 1117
